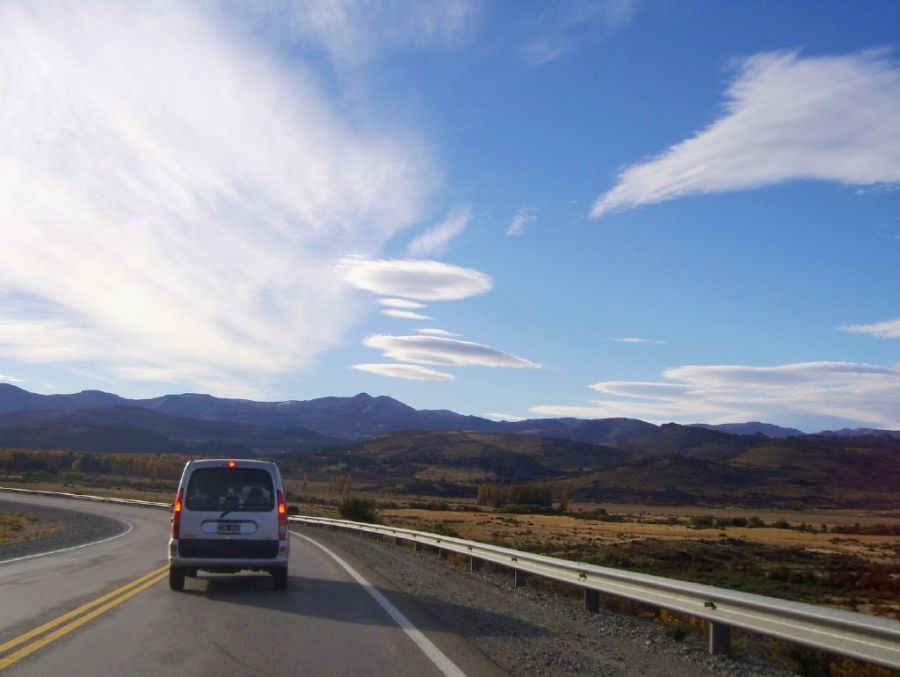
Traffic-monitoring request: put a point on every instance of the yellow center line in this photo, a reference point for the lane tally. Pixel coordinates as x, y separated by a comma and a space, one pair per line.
81, 615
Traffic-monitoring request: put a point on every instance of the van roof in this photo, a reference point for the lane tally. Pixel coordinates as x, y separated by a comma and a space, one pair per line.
241, 463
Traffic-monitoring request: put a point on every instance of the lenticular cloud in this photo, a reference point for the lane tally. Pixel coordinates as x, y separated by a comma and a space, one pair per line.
786, 117
173, 201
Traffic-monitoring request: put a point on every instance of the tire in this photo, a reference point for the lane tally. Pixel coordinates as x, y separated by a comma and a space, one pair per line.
176, 579
280, 577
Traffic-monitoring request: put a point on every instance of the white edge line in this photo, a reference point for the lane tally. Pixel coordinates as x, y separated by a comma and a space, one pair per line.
75, 547
435, 655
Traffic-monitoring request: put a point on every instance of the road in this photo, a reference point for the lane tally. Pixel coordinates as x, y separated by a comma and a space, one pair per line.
106, 609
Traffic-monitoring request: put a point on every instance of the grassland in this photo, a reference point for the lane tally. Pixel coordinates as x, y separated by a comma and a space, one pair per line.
17, 527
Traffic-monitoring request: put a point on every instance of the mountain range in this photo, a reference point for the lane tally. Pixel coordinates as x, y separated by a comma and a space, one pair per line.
388, 445
296, 425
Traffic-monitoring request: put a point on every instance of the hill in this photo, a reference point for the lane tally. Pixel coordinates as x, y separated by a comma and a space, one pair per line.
130, 429
752, 428
791, 473
690, 441
430, 462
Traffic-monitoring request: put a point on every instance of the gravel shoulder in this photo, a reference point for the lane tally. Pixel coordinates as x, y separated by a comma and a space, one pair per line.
75, 528
529, 631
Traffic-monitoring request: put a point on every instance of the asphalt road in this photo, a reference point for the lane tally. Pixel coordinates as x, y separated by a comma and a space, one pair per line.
106, 609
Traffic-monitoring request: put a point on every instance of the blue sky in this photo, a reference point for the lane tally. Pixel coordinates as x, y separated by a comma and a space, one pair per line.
674, 211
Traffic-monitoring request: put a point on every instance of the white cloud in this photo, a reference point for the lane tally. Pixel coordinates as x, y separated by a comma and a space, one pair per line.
498, 416
634, 339
567, 26
412, 372
401, 303
867, 394
354, 31
889, 329
786, 117
173, 200
11, 379
405, 314
436, 332
522, 218
427, 349
435, 240
422, 280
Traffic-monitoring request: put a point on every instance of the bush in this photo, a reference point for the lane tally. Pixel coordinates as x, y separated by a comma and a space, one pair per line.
358, 510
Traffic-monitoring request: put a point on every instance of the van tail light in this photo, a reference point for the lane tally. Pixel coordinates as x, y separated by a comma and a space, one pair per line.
176, 514
282, 518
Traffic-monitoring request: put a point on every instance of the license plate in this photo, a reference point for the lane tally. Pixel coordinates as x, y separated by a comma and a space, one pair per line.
229, 528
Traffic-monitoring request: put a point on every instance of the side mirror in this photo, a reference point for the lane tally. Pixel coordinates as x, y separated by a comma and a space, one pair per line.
293, 510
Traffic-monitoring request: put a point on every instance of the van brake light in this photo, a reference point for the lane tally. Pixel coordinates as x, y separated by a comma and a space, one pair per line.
176, 514
282, 517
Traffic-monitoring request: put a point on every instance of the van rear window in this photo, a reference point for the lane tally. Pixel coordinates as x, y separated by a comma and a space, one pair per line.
244, 489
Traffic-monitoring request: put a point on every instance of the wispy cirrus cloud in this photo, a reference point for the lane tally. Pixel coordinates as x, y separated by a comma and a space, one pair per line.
889, 329
436, 332
401, 303
354, 31
566, 26
522, 218
443, 350
418, 279
435, 240
866, 394
405, 314
635, 339
178, 198
834, 118
410, 372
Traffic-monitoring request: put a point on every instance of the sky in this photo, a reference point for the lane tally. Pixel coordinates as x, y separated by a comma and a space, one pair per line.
674, 211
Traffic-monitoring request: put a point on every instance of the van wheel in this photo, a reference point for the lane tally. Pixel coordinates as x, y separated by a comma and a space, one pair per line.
176, 579
280, 576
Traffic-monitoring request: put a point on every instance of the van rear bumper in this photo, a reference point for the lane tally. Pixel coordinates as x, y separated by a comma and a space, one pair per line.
242, 553
222, 548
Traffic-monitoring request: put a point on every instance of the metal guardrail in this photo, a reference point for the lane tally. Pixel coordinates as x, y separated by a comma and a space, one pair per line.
868, 638
861, 636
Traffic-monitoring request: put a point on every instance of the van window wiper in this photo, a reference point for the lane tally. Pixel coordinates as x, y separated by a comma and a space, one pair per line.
235, 507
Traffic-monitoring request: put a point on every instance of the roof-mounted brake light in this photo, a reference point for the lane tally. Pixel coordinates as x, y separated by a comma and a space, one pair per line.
231, 464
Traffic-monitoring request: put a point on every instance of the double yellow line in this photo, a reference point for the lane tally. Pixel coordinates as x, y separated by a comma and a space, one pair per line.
49, 632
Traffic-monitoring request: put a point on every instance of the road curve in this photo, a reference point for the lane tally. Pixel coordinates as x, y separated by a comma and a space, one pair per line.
329, 621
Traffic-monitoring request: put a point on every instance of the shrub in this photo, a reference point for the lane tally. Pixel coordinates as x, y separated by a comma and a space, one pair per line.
358, 509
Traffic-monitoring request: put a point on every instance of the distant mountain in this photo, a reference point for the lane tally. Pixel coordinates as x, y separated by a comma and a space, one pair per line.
131, 429
453, 462
791, 472
13, 398
345, 418
752, 428
598, 431
859, 432
690, 441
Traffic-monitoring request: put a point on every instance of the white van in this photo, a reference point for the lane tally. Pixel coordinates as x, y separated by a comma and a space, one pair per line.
229, 515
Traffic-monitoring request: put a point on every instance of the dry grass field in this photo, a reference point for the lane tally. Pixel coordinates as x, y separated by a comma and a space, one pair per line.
16, 526
806, 556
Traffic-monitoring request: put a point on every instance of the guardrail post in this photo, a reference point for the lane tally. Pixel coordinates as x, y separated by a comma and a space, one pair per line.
591, 601
519, 578
417, 546
443, 553
719, 638
398, 540
474, 564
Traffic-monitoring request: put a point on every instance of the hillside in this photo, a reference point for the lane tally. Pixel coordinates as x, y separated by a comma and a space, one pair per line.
691, 441
130, 429
453, 462
791, 472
